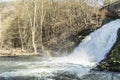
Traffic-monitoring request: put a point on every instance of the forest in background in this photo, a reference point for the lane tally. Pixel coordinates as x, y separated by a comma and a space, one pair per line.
52, 27
39, 25
47, 25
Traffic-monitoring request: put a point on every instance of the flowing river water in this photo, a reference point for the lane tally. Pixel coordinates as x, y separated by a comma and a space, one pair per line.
77, 66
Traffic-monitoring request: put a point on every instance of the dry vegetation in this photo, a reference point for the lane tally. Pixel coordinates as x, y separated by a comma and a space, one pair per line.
39, 25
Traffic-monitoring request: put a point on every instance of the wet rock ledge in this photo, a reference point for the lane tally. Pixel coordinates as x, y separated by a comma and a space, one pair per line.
112, 60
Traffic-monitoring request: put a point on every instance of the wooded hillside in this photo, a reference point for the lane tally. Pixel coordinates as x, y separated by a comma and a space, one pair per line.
40, 25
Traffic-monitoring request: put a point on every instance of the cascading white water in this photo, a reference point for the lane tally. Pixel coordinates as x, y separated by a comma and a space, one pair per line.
91, 51
95, 46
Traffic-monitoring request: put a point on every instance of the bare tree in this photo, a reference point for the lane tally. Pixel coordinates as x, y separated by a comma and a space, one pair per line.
0, 28
33, 29
32, 23
41, 23
20, 34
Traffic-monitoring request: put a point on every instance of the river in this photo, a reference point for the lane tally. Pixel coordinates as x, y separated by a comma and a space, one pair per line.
78, 65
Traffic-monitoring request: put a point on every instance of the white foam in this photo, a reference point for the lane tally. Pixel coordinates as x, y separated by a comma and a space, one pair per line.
95, 46
92, 50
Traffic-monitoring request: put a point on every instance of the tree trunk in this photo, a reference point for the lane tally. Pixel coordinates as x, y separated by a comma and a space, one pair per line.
20, 34
32, 24
33, 29
41, 24
1, 31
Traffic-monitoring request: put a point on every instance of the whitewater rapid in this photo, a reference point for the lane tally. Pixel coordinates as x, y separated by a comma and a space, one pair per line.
96, 45
89, 52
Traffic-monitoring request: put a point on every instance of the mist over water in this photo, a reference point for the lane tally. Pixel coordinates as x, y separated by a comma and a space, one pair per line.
75, 66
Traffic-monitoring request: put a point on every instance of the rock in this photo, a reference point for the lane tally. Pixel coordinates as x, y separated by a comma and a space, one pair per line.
112, 60
110, 12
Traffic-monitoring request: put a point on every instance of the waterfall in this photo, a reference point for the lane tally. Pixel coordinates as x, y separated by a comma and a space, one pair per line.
89, 52
96, 45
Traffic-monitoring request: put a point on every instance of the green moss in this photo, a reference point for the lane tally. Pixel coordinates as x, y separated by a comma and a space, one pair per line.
112, 63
